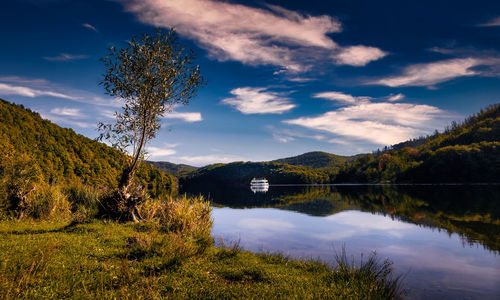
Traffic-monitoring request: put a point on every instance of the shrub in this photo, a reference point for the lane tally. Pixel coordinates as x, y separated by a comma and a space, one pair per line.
188, 216
45, 202
115, 205
371, 278
84, 201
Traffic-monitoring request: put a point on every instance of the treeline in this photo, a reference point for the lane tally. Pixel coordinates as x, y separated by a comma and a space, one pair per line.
241, 173
37, 152
464, 152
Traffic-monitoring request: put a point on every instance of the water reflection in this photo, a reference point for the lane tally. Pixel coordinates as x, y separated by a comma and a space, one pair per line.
446, 238
259, 189
473, 212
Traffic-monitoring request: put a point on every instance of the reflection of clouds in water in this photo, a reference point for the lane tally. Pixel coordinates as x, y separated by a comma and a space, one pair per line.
364, 220
353, 223
335, 235
422, 257
254, 223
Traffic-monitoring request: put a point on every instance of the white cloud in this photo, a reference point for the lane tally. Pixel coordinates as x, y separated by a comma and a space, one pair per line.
254, 36
9, 89
491, 23
66, 120
250, 100
203, 160
282, 138
185, 116
429, 74
358, 55
87, 25
257, 223
28, 87
285, 135
396, 97
156, 152
65, 57
380, 123
300, 79
68, 112
341, 97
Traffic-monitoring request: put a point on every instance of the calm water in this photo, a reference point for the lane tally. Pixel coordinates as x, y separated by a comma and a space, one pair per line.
446, 239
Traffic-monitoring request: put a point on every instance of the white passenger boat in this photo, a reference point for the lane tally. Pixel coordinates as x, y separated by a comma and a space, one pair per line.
259, 182
259, 185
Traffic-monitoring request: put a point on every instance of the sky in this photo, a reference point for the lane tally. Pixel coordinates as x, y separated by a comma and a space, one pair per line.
283, 77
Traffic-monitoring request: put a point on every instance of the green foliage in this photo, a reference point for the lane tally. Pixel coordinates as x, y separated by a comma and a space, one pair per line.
467, 152
174, 169
85, 201
45, 202
189, 216
62, 156
123, 261
315, 160
241, 173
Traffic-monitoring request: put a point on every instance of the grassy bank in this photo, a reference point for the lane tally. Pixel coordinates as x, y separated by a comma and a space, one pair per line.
142, 261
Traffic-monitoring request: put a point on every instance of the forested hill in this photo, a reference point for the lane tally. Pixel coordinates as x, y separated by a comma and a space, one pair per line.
468, 152
171, 168
464, 152
64, 156
316, 159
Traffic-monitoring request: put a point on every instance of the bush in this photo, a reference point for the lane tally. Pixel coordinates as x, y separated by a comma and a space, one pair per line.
84, 201
45, 202
188, 216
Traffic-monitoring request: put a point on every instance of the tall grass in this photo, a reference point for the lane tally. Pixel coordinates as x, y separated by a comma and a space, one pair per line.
45, 202
370, 275
84, 201
182, 215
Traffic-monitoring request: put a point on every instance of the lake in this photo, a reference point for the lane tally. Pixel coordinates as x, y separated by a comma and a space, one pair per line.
445, 239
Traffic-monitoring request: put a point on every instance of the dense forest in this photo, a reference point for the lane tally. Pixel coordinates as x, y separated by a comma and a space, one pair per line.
466, 152
316, 160
171, 168
54, 154
312, 167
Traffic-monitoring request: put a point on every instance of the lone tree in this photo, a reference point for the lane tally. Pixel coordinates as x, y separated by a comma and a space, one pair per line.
152, 74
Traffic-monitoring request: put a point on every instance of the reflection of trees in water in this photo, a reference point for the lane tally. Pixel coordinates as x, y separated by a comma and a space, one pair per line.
473, 212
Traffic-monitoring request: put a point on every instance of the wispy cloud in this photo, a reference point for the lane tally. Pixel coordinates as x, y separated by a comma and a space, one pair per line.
285, 135
396, 97
87, 25
379, 123
36, 87
65, 57
271, 35
250, 100
10, 89
493, 22
358, 55
63, 118
341, 97
184, 116
429, 74
69, 112
203, 160
157, 153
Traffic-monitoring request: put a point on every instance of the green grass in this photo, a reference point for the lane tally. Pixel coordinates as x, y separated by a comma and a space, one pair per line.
139, 261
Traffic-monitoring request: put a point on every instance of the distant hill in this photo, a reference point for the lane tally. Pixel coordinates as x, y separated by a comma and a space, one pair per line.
64, 156
316, 159
174, 169
241, 173
465, 152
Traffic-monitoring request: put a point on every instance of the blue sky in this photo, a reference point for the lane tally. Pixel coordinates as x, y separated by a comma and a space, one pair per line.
284, 77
